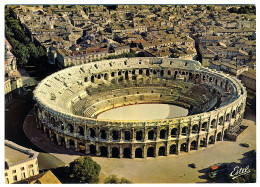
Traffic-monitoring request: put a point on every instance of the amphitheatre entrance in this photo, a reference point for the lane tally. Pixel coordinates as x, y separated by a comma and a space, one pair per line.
144, 112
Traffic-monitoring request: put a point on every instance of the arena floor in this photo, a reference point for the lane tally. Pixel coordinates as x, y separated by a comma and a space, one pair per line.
144, 112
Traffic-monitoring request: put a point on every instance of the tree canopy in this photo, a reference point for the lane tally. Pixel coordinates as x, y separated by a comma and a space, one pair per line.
113, 179
85, 170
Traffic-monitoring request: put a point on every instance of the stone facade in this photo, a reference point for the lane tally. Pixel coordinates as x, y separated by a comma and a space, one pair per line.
68, 102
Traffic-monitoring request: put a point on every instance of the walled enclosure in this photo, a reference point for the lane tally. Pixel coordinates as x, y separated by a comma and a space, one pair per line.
68, 102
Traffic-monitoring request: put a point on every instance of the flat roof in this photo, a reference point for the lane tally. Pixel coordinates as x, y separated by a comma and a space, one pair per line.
13, 155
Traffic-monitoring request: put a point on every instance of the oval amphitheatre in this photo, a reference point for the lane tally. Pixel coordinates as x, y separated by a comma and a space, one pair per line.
69, 102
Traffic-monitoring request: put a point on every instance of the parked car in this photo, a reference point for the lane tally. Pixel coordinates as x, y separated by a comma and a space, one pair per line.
245, 144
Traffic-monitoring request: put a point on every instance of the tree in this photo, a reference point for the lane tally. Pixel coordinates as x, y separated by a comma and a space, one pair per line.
85, 170
113, 179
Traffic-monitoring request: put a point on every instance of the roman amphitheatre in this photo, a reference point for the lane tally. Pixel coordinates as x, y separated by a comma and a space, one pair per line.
71, 105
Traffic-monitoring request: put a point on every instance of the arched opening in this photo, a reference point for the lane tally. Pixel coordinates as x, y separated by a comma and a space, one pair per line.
127, 135
219, 136
204, 126
161, 73
234, 114
115, 152
139, 135
161, 151
150, 135
112, 74
203, 142
140, 71
193, 145
221, 121
216, 82
103, 151
163, 134
184, 131
61, 125
133, 72
115, 135
150, 152
174, 133
190, 75
195, 129
127, 153
70, 128
126, 75
103, 134
169, 72
211, 140
173, 149
138, 153
54, 138
183, 147
213, 123
81, 131
92, 149
147, 72
92, 79
225, 133
52, 121
154, 72
227, 117
72, 143
92, 133
106, 76
62, 141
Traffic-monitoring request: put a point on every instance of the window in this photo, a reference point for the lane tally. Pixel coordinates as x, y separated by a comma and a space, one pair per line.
22, 168
15, 178
7, 180
6, 174
14, 171
30, 166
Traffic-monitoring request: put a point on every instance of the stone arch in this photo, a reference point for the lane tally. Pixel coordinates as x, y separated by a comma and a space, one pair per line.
174, 132
225, 133
193, 145
204, 126
92, 133
183, 147
195, 129
70, 128
203, 142
115, 135
72, 143
162, 73
150, 134
92, 149
81, 130
147, 72
139, 135
219, 136
173, 149
92, 79
221, 120
62, 141
234, 114
228, 117
213, 123
105, 76
138, 153
150, 152
169, 72
211, 139
127, 135
140, 71
127, 153
103, 151
162, 134
184, 131
126, 75
162, 151
115, 152
103, 134
52, 120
